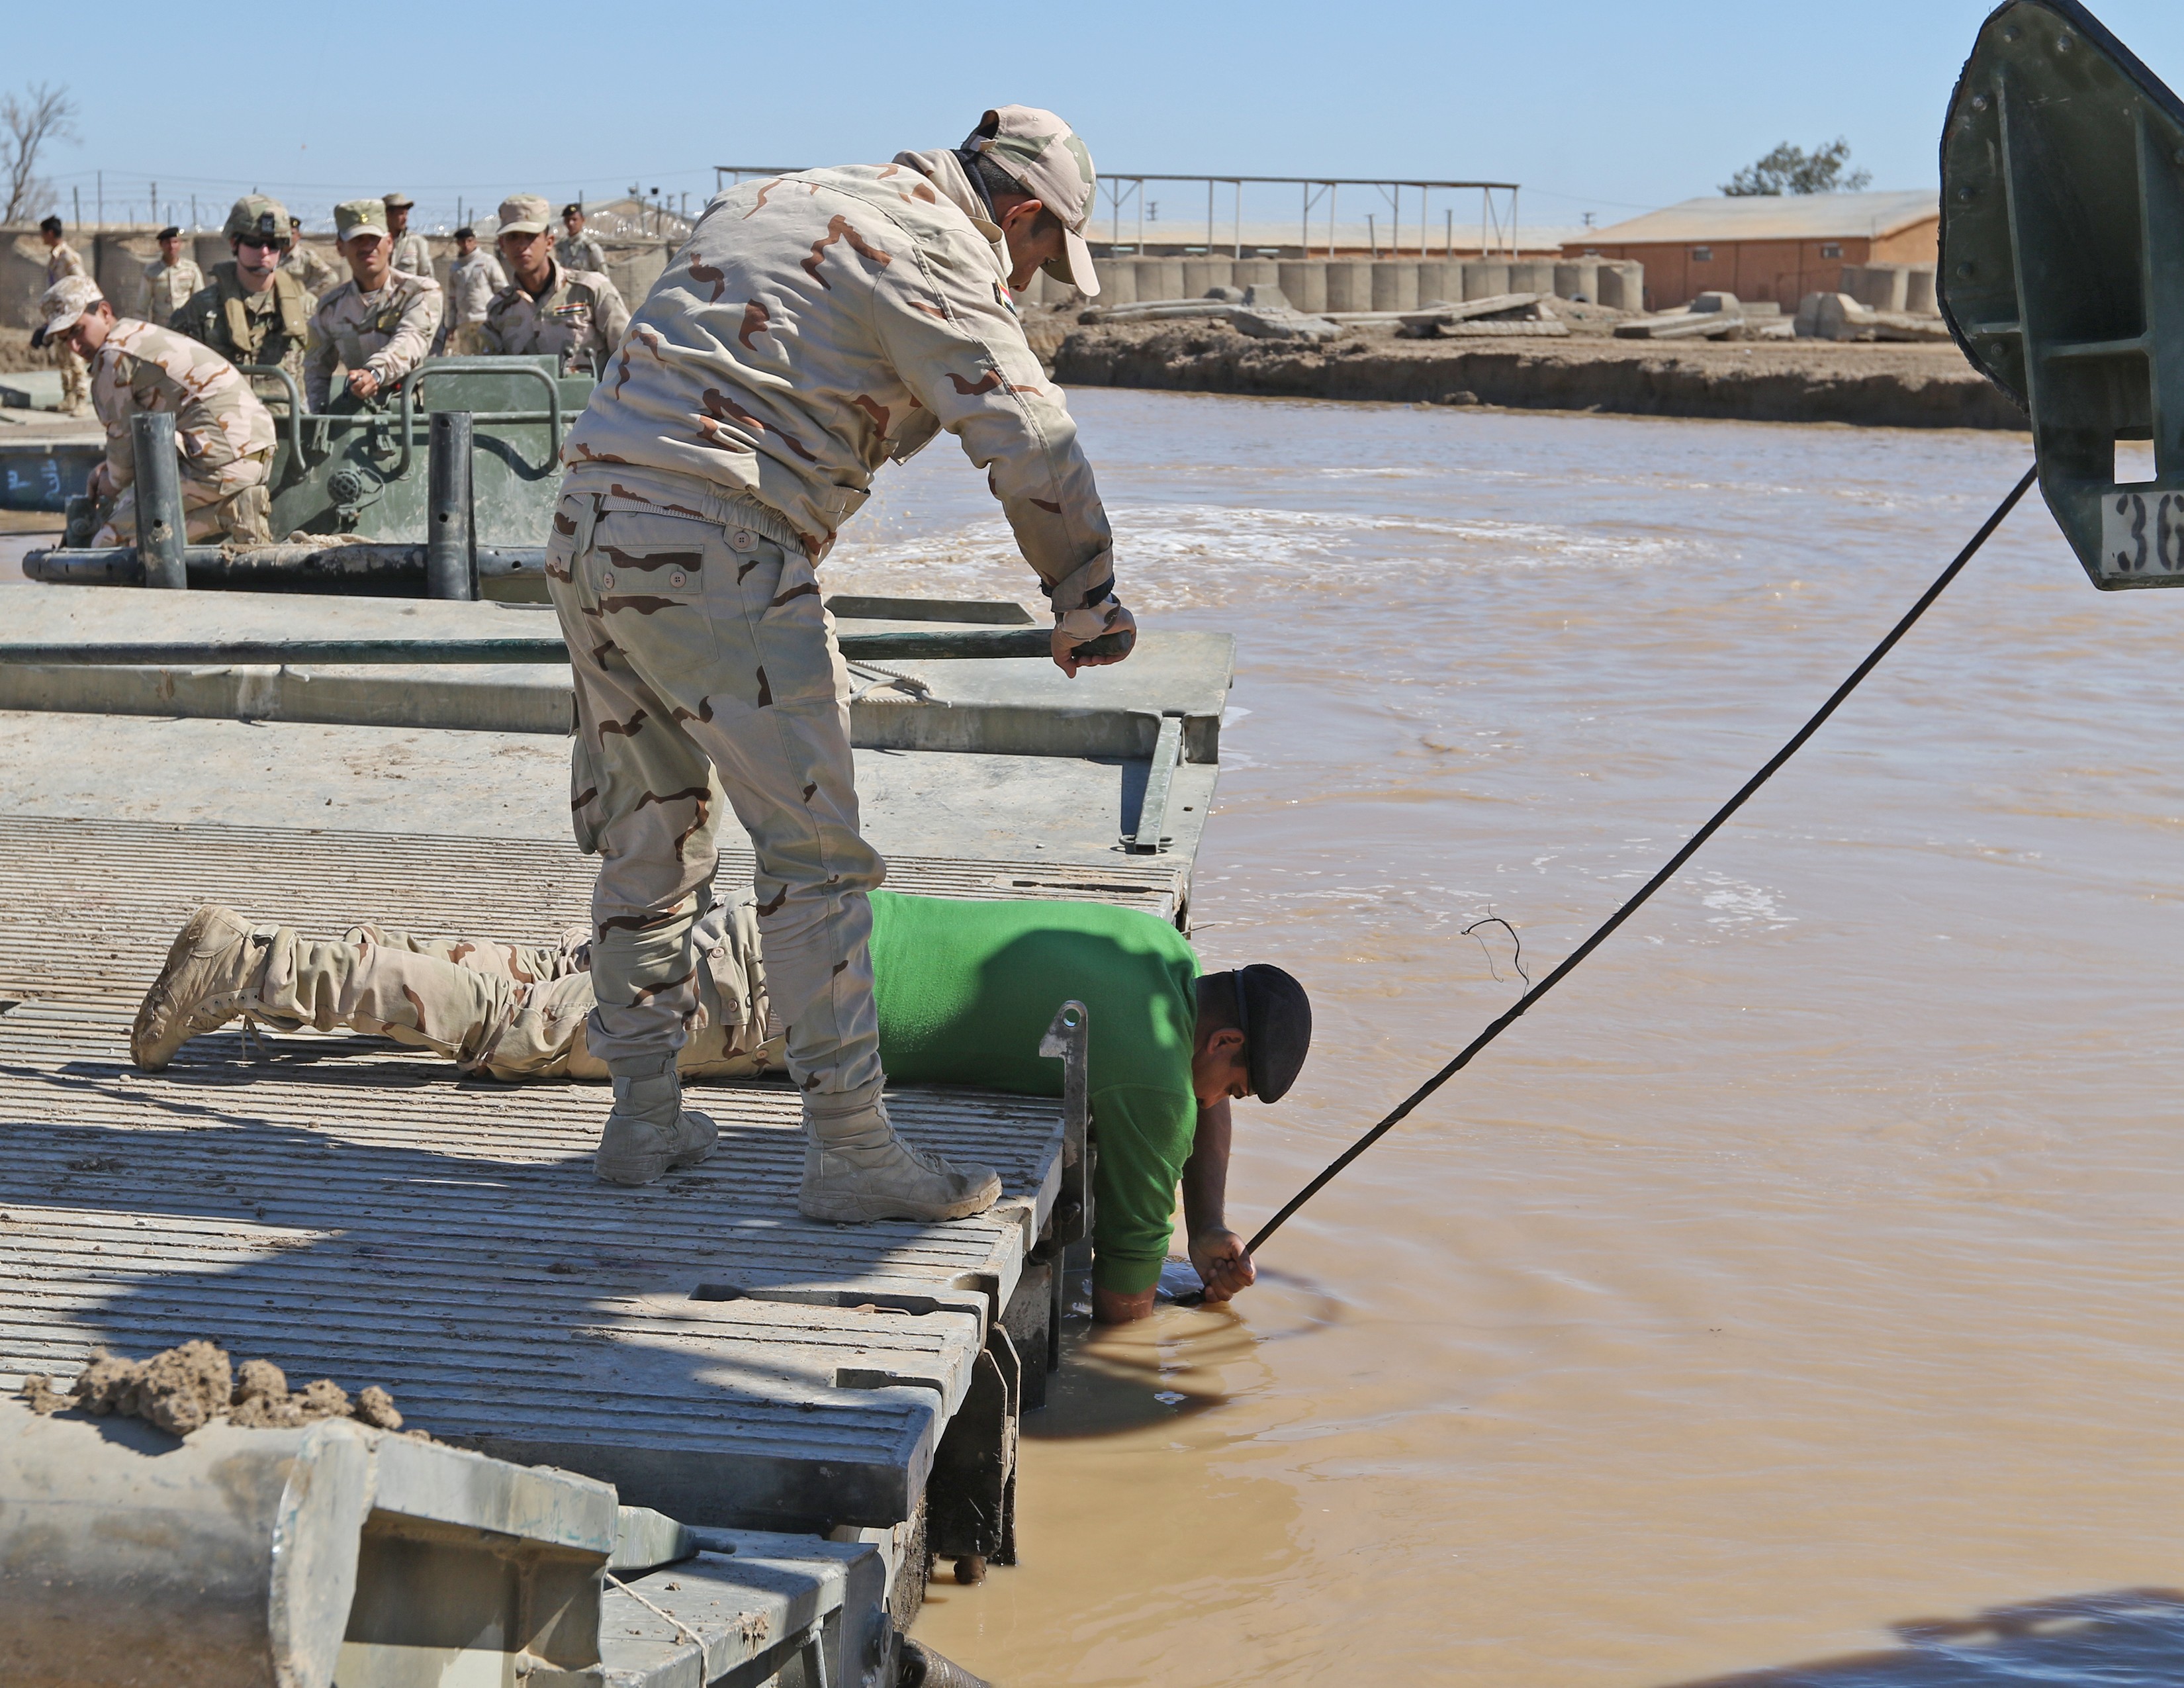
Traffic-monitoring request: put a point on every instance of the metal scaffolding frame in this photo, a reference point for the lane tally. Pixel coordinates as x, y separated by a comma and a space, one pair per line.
1493, 235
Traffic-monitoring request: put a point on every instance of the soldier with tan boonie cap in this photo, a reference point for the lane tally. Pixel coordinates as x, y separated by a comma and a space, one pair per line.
379, 324
224, 434
547, 307
813, 327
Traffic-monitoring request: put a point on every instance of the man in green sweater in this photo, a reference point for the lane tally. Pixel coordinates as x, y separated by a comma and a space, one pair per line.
964, 989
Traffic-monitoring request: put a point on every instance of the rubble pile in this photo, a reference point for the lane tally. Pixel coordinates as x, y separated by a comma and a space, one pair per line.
187, 1388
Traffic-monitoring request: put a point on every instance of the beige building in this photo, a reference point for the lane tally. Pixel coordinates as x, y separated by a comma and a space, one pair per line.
1769, 247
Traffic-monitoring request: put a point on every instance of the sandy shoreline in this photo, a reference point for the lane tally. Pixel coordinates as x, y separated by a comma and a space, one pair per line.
1873, 386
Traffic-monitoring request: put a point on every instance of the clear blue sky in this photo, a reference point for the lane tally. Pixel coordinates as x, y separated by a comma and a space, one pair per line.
1607, 106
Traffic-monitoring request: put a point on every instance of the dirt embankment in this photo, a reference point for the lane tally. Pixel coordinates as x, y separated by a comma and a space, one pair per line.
1875, 386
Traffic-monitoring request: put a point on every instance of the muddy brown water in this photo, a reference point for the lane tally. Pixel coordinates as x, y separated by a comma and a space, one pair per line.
1796, 1289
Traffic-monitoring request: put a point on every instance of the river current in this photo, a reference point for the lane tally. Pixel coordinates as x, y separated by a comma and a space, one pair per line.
1794, 1291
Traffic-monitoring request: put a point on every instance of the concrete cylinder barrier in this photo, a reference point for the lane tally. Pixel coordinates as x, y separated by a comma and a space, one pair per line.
1119, 281
1349, 285
1159, 278
1918, 297
1621, 283
1578, 278
1886, 286
1201, 275
1439, 283
1304, 285
1258, 272
1396, 284
1532, 275
1486, 278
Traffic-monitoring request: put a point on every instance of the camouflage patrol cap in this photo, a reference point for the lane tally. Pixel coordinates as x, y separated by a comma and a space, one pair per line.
524, 213
396, 202
62, 304
259, 217
360, 217
1043, 154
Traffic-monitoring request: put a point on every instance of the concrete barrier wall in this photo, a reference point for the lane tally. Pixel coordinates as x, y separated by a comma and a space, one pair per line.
1578, 278
1201, 275
1532, 275
1486, 278
1304, 285
1349, 285
1395, 284
1343, 285
1119, 281
1892, 286
1159, 278
1622, 283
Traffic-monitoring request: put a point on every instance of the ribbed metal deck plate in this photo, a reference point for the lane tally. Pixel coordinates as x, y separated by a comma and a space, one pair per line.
349, 1210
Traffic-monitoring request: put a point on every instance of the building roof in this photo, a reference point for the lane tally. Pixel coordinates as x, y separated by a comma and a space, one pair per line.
1768, 216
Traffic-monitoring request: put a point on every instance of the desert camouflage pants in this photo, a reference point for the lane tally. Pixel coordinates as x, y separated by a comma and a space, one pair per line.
232, 504
706, 665
75, 381
514, 1011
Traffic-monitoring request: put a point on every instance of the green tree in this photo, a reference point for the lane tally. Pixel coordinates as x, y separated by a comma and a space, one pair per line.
1793, 169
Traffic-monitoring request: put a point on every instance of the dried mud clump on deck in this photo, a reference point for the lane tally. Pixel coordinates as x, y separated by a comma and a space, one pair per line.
187, 1388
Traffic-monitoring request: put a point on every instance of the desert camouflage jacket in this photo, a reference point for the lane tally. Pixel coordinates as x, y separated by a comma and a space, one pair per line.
388, 332
471, 283
310, 267
271, 327
63, 262
166, 287
815, 326
583, 252
144, 368
412, 254
580, 313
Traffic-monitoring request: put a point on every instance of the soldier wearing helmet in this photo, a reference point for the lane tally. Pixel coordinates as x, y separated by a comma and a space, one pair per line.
254, 309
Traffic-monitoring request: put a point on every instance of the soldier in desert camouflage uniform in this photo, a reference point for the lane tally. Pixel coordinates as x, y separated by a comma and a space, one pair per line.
813, 327
169, 280
576, 250
545, 307
473, 279
412, 252
318, 277
512, 1010
63, 261
379, 324
224, 434
252, 310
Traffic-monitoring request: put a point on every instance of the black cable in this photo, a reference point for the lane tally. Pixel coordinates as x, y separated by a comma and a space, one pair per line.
1668, 872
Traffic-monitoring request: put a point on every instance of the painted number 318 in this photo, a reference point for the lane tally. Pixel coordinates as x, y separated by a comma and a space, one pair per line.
2142, 535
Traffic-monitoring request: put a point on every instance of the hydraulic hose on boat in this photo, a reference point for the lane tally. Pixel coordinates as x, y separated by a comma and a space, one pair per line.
1668, 872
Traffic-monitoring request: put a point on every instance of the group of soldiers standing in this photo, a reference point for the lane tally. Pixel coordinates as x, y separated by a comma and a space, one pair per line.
277, 304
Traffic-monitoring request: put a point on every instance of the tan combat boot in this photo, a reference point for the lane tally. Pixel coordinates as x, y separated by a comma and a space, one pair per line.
856, 1169
650, 1133
211, 976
